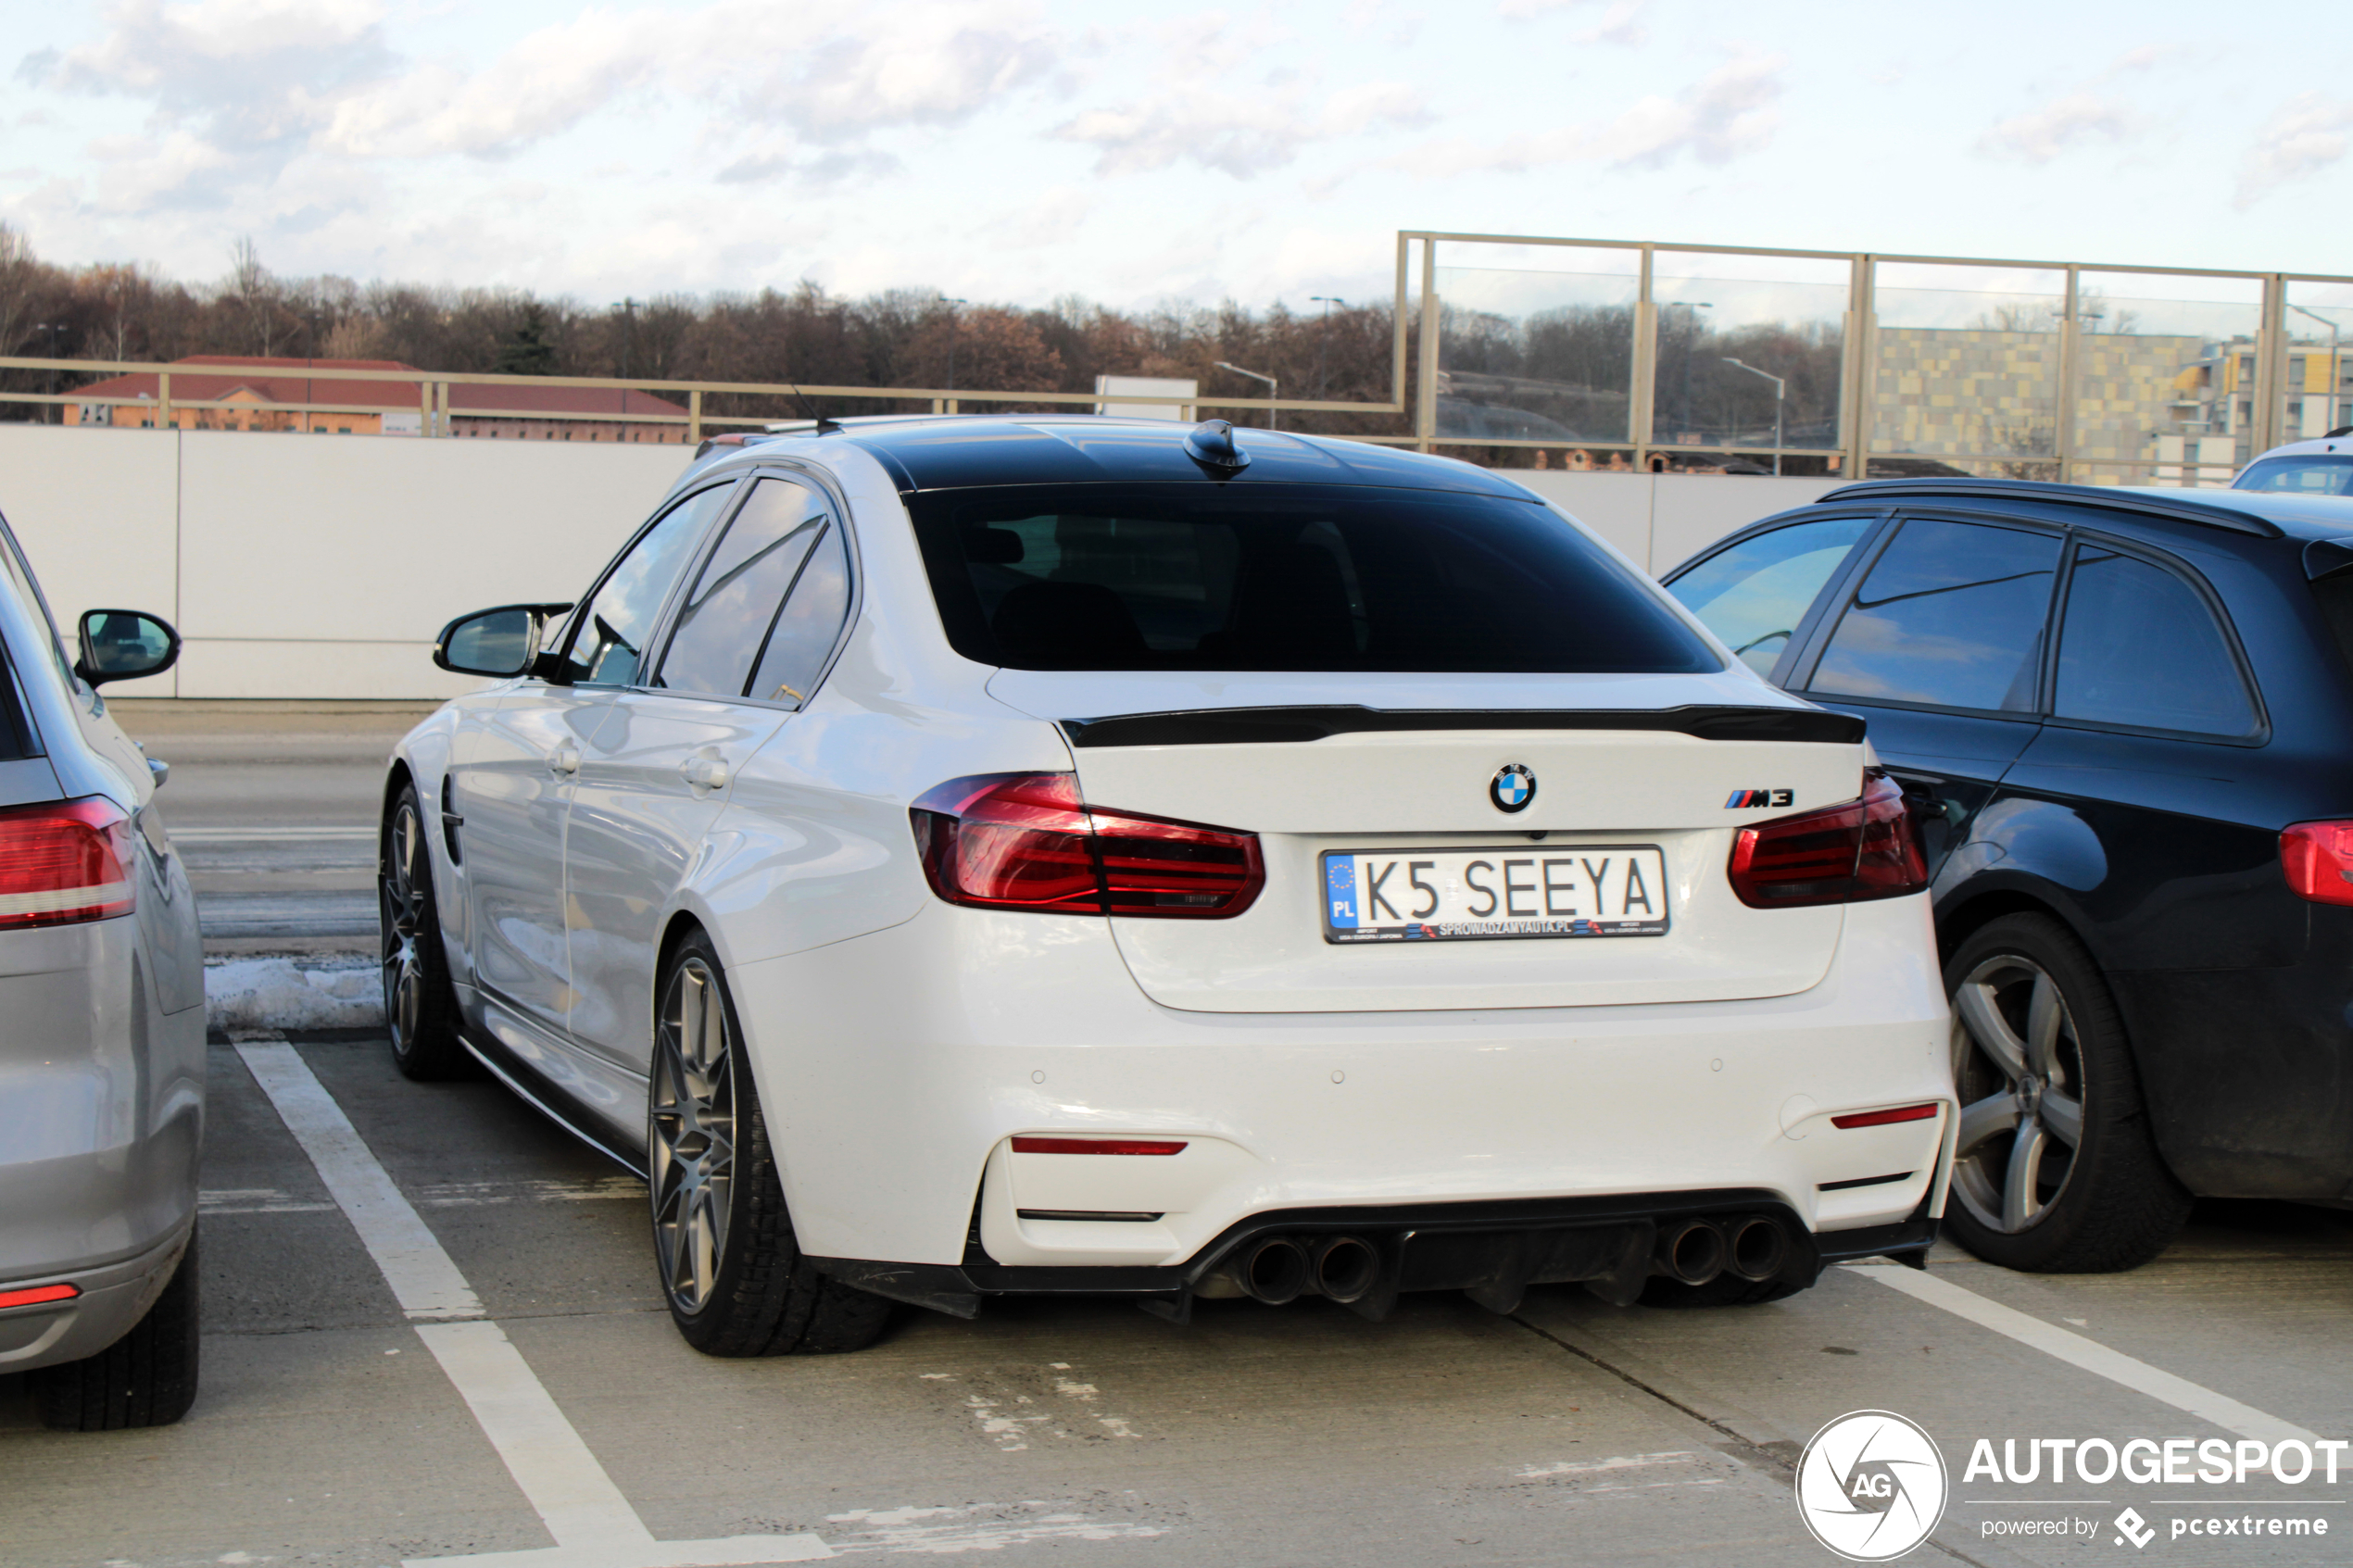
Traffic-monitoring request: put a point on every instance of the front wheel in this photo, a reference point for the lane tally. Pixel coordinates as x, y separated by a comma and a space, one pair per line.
2054, 1168
420, 1010
731, 1267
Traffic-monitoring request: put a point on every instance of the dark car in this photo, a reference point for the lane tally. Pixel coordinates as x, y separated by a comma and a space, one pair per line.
2125, 717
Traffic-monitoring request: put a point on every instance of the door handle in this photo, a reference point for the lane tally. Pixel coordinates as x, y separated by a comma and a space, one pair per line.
703, 773
564, 760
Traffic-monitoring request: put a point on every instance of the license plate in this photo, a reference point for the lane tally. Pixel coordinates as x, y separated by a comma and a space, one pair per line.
1486, 894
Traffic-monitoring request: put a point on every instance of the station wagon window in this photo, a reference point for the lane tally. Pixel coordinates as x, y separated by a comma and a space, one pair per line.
608, 637
1951, 615
1754, 594
742, 589
1185, 576
2140, 647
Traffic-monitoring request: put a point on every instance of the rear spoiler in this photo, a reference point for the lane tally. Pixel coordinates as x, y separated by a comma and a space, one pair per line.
1238, 726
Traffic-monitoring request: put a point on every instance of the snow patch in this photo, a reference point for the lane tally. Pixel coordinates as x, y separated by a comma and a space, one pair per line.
343, 992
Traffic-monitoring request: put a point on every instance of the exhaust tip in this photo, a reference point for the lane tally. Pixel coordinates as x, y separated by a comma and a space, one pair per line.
1758, 1248
1693, 1252
1275, 1271
1346, 1267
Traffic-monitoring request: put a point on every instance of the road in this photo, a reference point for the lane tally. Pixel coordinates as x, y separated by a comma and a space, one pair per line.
352, 1415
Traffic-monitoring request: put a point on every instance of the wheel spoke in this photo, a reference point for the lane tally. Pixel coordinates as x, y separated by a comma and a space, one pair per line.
2064, 1116
1991, 1031
2045, 1014
2021, 1197
1986, 1118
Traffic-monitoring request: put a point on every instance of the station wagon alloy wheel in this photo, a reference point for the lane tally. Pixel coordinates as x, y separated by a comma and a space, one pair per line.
2018, 1068
693, 1141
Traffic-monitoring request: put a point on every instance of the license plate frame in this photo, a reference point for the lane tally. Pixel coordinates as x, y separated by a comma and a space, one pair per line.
1351, 890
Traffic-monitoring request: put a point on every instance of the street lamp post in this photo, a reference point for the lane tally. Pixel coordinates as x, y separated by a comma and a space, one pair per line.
1273, 390
1323, 339
2333, 368
1780, 398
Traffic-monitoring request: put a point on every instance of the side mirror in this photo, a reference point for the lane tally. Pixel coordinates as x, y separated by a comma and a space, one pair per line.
498, 642
122, 644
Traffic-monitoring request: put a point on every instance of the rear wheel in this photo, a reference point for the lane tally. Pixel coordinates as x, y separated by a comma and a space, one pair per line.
145, 1378
420, 1011
2054, 1168
733, 1272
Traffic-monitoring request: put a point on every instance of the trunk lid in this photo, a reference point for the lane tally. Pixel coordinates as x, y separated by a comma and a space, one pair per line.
1620, 763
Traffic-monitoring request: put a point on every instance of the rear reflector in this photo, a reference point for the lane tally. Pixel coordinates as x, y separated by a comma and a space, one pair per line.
1094, 1146
1882, 1118
2318, 859
64, 862
1026, 841
1867, 848
36, 1295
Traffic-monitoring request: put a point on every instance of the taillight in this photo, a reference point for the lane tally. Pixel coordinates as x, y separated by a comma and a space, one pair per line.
2318, 859
64, 862
1885, 1118
1867, 848
1026, 841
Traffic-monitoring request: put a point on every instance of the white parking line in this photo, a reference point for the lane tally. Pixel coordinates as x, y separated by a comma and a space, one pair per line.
592, 1522
2089, 1354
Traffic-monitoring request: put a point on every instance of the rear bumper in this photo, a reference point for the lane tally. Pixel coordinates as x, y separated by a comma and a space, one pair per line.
112, 1299
894, 1068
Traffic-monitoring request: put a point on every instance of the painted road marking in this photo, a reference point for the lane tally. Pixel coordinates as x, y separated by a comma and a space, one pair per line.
592, 1523
2089, 1354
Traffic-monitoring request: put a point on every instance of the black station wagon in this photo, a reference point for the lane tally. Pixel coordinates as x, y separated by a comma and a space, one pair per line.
2125, 719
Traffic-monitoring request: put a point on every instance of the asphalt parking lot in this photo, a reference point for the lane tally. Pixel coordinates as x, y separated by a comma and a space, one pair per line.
433, 1331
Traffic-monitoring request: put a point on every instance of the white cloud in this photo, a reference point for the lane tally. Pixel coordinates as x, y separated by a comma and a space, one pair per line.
1724, 115
1621, 22
2304, 138
2039, 135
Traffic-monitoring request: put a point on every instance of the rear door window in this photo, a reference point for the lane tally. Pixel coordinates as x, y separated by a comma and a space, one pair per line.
809, 625
1753, 595
726, 616
1950, 615
2140, 647
1177, 576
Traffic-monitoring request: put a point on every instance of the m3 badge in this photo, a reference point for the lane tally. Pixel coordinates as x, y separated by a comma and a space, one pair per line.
1746, 797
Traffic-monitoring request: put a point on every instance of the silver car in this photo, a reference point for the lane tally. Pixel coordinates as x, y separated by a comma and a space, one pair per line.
102, 1030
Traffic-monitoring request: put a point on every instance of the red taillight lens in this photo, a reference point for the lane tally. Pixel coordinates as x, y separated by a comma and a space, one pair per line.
2318, 859
1025, 841
1883, 1118
63, 863
34, 1296
1095, 1146
1867, 848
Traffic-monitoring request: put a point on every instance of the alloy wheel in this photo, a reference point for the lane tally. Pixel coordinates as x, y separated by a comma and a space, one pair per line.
692, 1128
2017, 1064
403, 911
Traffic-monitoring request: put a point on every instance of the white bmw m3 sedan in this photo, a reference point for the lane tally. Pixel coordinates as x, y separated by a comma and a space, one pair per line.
954, 858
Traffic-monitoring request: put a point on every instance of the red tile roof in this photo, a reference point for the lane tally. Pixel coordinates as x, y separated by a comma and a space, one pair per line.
282, 381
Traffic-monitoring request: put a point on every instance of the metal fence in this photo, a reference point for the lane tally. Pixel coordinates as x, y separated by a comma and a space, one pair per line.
1628, 356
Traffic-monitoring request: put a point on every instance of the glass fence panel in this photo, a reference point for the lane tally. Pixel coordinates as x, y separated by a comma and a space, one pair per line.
2318, 390
1965, 370
1536, 343
1750, 351
2164, 377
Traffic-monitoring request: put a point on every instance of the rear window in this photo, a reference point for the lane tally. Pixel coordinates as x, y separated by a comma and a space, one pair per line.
1296, 577
2299, 476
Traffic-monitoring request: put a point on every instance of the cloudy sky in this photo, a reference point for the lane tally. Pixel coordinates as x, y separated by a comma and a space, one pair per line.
1015, 150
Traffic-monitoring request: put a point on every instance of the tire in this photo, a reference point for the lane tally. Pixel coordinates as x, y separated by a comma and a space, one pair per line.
723, 1248
1725, 1290
420, 1009
145, 1378
2039, 1054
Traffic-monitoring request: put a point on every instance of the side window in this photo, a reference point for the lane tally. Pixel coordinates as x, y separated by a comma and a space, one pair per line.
742, 587
1951, 614
805, 632
2139, 646
608, 637
1754, 594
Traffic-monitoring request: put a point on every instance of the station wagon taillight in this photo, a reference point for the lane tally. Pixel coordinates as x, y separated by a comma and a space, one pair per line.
1026, 841
2318, 859
63, 862
1867, 848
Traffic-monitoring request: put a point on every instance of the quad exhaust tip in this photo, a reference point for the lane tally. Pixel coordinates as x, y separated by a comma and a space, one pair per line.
1276, 1271
1759, 1249
1691, 1250
1346, 1267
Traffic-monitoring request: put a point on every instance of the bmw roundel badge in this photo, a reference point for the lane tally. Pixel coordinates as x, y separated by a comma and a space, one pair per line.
1513, 787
